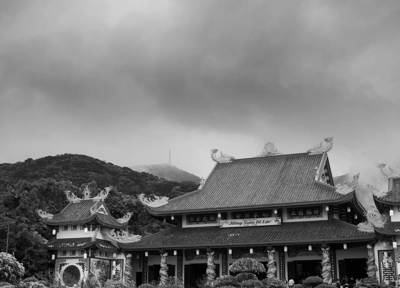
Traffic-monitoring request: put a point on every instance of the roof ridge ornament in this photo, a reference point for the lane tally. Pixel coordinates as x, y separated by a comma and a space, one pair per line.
153, 200
376, 192
125, 218
220, 157
103, 194
86, 193
387, 171
122, 236
44, 215
374, 219
269, 150
322, 147
72, 198
202, 182
346, 187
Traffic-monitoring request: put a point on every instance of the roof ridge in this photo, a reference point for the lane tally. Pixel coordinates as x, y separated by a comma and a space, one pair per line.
276, 156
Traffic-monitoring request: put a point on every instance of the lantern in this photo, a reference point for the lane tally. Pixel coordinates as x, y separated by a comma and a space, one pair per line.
146, 254
285, 249
175, 252
309, 247
345, 246
230, 251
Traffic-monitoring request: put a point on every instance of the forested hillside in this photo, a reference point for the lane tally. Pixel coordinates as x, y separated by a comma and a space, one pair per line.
40, 184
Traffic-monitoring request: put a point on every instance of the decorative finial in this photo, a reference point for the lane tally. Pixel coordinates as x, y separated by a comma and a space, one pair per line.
348, 187
125, 218
387, 171
153, 201
322, 147
72, 197
44, 214
202, 183
103, 194
86, 193
269, 150
220, 157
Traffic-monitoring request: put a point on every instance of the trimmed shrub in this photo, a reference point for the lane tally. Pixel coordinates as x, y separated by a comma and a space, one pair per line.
298, 286
325, 286
273, 283
30, 279
146, 285
312, 281
4, 284
245, 276
249, 265
226, 280
251, 284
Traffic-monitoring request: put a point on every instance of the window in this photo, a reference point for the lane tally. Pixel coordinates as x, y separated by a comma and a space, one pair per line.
106, 254
82, 252
73, 252
74, 227
100, 253
83, 226
94, 227
65, 228
64, 253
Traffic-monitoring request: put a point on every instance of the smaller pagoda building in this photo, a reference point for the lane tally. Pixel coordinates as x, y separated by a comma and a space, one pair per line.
387, 225
87, 240
282, 209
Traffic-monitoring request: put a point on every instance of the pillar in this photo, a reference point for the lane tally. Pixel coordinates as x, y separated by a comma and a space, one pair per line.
371, 267
128, 272
326, 265
271, 271
163, 268
224, 262
210, 267
282, 272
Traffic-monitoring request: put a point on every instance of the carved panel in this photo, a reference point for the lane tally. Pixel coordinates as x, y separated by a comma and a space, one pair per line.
305, 212
387, 265
179, 263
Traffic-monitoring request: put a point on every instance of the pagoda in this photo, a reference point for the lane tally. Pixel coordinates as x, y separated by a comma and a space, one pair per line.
387, 225
281, 209
87, 240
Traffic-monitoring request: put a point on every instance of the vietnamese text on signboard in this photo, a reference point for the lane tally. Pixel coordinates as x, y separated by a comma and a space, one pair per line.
250, 222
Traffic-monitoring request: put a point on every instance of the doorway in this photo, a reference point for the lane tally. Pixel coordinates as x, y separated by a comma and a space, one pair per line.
300, 270
195, 275
352, 268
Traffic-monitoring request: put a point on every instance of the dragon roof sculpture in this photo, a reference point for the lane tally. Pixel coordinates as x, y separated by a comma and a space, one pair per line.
153, 201
348, 187
220, 157
322, 147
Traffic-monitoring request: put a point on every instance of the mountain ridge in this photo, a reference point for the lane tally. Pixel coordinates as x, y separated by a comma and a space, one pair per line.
167, 171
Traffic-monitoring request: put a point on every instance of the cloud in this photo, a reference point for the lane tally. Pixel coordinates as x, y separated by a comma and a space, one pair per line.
292, 73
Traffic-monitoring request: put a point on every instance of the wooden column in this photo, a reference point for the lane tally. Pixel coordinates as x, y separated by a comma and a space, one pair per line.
210, 266
333, 264
271, 271
282, 265
224, 262
179, 263
163, 268
144, 270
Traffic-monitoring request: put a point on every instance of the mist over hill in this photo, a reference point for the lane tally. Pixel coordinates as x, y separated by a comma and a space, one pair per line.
167, 171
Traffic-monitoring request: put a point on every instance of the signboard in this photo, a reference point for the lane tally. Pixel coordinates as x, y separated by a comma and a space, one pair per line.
250, 222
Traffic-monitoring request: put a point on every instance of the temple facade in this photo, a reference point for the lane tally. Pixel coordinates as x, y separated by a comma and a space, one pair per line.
281, 209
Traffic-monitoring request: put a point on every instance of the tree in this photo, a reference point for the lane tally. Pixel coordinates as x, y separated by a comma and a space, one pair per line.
10, 269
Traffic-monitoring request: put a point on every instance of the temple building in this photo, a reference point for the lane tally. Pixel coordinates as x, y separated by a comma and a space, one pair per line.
387, 225
87, 240
281, 209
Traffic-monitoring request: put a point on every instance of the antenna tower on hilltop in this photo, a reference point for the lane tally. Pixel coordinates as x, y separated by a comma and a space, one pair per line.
169, 161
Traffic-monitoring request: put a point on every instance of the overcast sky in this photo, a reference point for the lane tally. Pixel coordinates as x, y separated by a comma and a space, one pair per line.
125, 81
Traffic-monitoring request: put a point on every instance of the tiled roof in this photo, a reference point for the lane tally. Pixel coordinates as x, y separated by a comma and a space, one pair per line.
80, 243
390, 228
287, 233
391, 197
79, 213
281, 180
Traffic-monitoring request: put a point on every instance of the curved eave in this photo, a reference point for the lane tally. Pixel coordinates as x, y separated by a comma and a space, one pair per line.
381, 201
85, 221
346, 198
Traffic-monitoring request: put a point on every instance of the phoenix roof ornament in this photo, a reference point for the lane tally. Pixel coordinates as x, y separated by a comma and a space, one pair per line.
269, 150
125, 218
72, 198
348, 187
44, 215
387, 171
322, 147
103, 194
220, 157
153, 201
